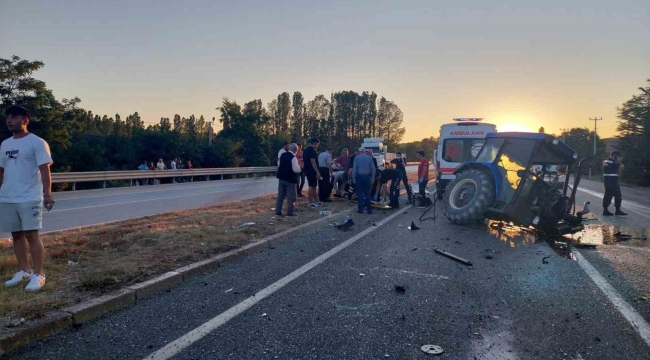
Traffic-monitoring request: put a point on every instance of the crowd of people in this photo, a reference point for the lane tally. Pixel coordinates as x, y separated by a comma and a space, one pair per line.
345, 176
175, 164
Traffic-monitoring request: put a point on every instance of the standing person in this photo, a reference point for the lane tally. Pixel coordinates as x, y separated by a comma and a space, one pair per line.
374, 192
25, 187
161, 165
288, 171
423, 172
174, 165
363, 172
325, 170
400, 164
189, 165
180, 166
143, 167
152, 167
301, 176
394, 176
310, 157
611, 171
283, 150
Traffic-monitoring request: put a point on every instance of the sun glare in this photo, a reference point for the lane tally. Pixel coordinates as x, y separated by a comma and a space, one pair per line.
513, 127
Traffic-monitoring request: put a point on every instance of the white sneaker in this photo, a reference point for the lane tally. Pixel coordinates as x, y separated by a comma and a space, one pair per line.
35, 283
18, 278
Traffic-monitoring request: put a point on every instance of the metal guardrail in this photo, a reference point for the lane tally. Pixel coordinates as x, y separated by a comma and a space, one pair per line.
105, 176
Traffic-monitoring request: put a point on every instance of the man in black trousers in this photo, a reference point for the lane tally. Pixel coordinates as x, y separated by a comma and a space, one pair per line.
288, 171
611, 172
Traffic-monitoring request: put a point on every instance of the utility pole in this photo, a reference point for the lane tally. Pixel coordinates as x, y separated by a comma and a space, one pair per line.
564, 130
595, 119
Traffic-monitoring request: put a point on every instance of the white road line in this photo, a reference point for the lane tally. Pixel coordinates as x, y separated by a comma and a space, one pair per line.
628, 205
156, 199
198, 333
158, 189
632, 316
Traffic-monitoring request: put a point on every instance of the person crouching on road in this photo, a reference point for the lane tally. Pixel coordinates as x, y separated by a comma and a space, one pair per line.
25, 188
363, 171
288, 171
611, 172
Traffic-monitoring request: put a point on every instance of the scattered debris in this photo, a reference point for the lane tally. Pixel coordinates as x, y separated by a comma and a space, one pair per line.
400, 289
105, 245
495, 317
619, 236
229, 290
370, 223
585, 246
414, 249
452, 256
345, 226
489, 257
362, 274
413, 227
544, 259
243, 225
272, 209
399, 225
72, 263
16, 323
324, 213
263, 315
432, 349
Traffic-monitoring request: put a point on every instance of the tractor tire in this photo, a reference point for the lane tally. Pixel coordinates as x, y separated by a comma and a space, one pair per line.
468, 197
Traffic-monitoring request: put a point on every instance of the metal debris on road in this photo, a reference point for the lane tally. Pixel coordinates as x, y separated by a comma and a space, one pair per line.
400, 289
347, 225
414, 249
489, 257
324, 213
72, 263
432, 349
16, 323
362, 274
452, 256
244, 225
229, 290
413, 227
263, 315
544, 260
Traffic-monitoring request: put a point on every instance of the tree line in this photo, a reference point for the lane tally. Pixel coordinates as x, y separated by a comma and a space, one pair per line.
250, 136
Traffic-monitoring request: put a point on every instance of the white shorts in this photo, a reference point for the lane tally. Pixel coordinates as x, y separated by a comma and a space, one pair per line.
21, 217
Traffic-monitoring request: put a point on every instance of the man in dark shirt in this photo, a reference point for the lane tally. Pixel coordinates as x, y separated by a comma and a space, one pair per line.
392, 175
611, 172
310, 158
400, 164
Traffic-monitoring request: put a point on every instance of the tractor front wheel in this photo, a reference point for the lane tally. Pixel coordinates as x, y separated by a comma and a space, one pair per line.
468, 197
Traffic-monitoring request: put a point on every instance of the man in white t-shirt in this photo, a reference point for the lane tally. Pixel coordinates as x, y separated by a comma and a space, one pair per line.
284, 149
25, 187
174, 165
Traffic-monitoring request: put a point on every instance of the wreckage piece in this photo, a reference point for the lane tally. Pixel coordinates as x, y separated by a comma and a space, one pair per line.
432, 349
413, 227
346, 225
452, 256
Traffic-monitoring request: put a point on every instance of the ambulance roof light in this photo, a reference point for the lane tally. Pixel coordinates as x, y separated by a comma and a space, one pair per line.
468, 119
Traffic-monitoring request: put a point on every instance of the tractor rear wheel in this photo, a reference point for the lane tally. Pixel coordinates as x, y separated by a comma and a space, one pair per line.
468, 197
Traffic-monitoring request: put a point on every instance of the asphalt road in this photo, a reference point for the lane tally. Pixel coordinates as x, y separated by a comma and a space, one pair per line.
328, 294
92, 207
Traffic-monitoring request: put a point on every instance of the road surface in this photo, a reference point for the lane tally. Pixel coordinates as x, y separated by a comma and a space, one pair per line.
329, 294
92, 207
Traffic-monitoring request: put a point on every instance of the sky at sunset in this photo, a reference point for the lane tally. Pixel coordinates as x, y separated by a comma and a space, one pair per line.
518, 64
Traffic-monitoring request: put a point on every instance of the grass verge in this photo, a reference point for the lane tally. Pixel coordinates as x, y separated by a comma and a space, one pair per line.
87, 262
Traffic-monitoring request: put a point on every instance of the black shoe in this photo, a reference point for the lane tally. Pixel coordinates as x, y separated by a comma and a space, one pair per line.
619, 212
607, 213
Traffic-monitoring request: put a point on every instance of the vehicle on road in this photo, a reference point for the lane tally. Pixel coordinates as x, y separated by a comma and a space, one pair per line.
459, 141
502, 184
379, 150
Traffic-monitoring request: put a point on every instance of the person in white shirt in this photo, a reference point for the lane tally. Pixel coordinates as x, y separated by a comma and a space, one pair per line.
174, 165
25, 188
161, 165
284, 149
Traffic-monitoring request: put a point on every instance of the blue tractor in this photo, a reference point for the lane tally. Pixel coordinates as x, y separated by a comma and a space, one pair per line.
508, 181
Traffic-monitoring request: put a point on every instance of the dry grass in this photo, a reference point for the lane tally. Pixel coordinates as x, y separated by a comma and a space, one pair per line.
112, 256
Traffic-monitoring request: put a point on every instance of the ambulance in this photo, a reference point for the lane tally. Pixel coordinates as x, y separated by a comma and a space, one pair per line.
459, 141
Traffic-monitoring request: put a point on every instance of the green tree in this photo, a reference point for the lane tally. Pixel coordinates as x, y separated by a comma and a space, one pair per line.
634, 136
282, 113
298, 121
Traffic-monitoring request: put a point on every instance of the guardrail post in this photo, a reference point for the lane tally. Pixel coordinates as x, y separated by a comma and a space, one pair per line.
104, 184
191, 178
74, 186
